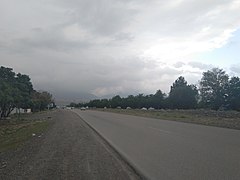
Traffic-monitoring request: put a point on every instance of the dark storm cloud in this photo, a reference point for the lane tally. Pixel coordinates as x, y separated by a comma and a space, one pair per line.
48, 42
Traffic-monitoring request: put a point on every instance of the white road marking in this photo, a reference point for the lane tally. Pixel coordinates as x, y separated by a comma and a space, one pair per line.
88, 166
160, 130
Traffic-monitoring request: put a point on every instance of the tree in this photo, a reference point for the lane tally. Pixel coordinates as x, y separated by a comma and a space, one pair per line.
233, 93
157, 100
130, 101
73, 104
7, 74
41, 100
116, 101
16, 91
213, 88
9, 94
180, 82
24, 85
182, 95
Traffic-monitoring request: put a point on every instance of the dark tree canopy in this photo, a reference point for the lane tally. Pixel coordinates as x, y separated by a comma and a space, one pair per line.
213, 88
116, 101
182, 95
233, 93
138, 101
180, 82
16, 91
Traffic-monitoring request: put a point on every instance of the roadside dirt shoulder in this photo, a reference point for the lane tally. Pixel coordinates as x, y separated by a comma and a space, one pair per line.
68, 150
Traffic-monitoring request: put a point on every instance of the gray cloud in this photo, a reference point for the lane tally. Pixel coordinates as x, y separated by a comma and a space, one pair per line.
179, 64
200, 65
235, 69
83, 47
124, 37
100, 17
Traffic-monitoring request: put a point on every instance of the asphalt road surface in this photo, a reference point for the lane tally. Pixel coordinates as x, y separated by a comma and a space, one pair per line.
163, 149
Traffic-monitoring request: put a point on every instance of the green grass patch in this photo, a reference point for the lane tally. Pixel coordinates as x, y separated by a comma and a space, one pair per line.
16, 132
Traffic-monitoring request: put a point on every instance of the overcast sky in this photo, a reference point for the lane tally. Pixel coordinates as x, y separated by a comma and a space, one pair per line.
73, 48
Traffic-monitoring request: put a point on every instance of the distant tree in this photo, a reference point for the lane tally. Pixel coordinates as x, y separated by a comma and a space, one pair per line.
141, 100
41, 100
233, 93
182, 95
131, 101
72, 104
148, 101
98, 103
116, 101
216, 91
47, 100
157, 100
213, 88
180, 82
25, 88
103, 103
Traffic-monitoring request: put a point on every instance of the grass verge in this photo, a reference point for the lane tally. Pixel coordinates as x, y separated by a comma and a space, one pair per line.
16, 131
225, 119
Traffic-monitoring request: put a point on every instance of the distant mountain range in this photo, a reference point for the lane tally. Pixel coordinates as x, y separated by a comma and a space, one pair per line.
65, 98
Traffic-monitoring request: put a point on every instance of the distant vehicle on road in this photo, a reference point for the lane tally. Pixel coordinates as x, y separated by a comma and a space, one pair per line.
83, 108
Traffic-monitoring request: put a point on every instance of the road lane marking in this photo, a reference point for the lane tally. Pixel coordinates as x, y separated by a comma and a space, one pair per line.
88, 166
160, 130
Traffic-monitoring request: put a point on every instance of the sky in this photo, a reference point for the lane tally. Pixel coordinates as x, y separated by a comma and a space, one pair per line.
82, 49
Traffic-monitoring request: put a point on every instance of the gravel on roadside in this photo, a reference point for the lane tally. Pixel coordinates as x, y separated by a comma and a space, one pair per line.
68, 150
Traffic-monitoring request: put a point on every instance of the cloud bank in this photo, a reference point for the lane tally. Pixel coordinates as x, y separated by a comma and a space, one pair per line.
113, 47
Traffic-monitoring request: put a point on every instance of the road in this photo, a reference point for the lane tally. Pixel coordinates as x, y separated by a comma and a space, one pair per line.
170, 150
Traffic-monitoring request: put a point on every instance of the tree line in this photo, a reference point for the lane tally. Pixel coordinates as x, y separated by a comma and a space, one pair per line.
16, 91
216, 90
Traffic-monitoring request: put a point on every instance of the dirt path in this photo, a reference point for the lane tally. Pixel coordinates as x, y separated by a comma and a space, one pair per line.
69, 150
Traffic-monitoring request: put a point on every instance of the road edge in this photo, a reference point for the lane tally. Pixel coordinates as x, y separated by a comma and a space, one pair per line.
131, 165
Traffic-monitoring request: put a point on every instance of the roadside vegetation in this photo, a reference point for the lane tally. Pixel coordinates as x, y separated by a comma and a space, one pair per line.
214, 101
14, 132
16, 91
215, 91
225, 119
